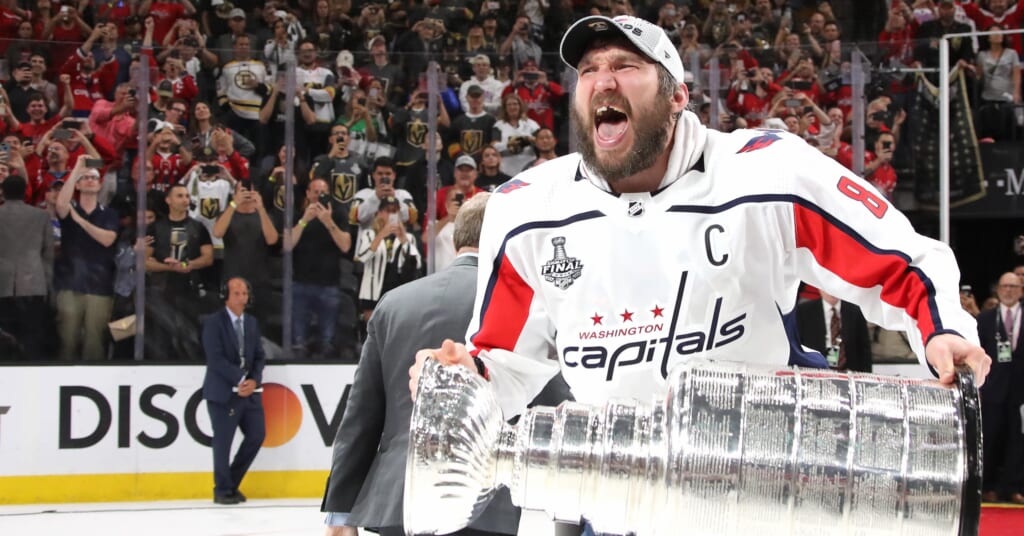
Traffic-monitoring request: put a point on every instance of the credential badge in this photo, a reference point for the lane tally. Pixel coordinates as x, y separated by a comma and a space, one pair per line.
562, 270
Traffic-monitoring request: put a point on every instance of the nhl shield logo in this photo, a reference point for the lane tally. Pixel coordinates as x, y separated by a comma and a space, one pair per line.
562, 270
636, 208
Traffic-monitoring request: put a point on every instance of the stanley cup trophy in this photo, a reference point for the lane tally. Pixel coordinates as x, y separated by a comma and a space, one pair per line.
731, 450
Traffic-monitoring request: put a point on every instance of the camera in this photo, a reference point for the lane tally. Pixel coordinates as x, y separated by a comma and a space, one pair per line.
324, 200
361, 101
887, 145
131, 92
209, 169
94, 163
459, 198
62, 134
385, 181
70, 124
799, 85
531, 76
792, 103
966, 289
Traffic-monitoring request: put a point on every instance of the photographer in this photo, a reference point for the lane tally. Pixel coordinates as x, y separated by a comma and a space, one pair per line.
210, 185
539, 95
84, 271
409, 128
389, 256
464, 182
417, 47
340, 169
878, 168
751, 93
318, 240
367, 201
169, 158
115, 120
248, 234
514, 133
519, 45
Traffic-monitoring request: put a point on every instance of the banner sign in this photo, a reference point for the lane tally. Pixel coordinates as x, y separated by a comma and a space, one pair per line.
65, 420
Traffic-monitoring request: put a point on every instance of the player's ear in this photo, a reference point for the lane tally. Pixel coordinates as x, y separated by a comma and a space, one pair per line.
680, 98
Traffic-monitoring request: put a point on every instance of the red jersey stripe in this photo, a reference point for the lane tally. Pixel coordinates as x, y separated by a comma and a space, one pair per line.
507, 307
860, 264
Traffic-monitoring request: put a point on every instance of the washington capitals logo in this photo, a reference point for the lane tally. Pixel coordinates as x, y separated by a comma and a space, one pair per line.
760, 142
510, 186
563, 269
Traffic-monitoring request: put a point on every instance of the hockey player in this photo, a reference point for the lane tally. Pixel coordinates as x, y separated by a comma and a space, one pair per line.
662, 240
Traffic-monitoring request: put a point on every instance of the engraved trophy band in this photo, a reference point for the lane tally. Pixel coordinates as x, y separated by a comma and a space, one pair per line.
731, 450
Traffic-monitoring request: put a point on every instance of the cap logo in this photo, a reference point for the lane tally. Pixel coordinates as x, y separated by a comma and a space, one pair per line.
598, 26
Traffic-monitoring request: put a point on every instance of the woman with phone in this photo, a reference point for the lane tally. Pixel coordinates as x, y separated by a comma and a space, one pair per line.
389, 256
515, 133
202, 125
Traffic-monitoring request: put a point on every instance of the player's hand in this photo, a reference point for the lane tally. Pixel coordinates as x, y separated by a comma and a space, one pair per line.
450, 353
947, 350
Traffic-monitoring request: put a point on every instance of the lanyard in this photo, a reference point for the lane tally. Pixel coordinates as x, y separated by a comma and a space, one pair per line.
1007, 329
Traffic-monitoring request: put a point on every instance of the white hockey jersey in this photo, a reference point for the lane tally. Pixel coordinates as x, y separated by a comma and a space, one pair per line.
209, 199
615, 290
233, 87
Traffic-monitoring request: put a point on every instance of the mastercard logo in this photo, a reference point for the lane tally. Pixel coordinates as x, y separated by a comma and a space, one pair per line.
282, 413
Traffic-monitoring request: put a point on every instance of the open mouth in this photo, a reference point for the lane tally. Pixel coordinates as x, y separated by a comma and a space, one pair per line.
611, 124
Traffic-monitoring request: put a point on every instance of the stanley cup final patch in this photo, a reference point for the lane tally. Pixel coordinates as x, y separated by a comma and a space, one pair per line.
562, 270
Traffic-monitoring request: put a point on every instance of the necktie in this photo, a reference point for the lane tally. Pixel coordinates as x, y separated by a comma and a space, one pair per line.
1008, 328
835, 328
240, 337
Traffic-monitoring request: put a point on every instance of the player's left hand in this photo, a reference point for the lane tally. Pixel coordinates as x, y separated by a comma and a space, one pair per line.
944, 352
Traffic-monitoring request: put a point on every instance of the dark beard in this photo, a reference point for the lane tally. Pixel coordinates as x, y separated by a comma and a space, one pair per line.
651, 130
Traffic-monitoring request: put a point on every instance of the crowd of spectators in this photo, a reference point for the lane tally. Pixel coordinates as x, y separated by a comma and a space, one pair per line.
214, 163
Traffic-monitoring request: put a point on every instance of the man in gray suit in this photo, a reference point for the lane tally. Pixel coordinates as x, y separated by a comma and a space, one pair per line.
368, 467
26, 269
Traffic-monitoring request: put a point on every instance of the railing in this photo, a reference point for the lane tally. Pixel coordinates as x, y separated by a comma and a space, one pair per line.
167, 329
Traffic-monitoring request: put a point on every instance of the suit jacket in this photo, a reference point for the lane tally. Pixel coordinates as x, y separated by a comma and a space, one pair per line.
368, 467
223, 364
26, 254
810, 321
1003, 379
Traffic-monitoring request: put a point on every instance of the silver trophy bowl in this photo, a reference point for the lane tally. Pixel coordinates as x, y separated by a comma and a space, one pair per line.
731, 450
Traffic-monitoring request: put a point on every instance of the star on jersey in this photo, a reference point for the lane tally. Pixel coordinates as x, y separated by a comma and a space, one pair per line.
626, 315
657, 311
597, 319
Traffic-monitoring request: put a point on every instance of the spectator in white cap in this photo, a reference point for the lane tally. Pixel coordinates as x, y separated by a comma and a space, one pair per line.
659, 219
464, 183
484, 78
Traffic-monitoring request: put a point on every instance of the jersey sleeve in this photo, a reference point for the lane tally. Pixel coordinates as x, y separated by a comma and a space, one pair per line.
850, 241
511, 331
